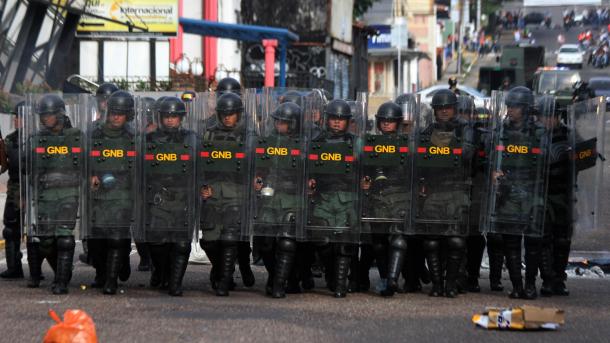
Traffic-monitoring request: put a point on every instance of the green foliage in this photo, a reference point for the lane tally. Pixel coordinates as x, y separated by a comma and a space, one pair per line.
361, 6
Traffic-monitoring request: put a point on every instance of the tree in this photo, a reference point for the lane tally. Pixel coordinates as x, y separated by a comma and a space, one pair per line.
361, 6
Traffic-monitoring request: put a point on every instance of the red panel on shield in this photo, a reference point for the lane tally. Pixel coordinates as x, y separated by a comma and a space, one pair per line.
185, 157
240, 155
313, 157
204, 154
95, 153
149, 157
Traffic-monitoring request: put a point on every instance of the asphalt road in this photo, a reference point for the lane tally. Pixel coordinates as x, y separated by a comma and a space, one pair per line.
139, 314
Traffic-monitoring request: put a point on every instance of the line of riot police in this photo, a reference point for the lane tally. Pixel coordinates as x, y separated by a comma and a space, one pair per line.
418, 191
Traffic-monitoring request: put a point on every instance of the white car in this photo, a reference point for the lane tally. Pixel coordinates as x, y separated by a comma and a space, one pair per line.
570, 55
479, 98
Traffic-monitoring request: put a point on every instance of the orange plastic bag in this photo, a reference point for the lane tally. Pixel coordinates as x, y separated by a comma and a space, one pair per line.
77, 327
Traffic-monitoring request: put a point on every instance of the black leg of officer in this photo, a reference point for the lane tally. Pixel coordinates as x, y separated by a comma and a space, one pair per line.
34, 263
65, 255
396, 254
265, 247
114, 260
475, 250
144, 254
512, 253
243, 259
546, 266
561, 254
284, 261
304, 260
495, 252
97, 251
343, 253
213, 250
532, 264
432, 251
229, 240
456, 253
411, 267
179, 260
12, 239
159, 256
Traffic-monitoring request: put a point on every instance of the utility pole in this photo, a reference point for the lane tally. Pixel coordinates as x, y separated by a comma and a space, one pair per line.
460, 37
478, 15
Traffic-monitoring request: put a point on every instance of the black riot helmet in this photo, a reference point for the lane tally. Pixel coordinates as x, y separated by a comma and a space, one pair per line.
581, 92
405, 98
171, 106
105, 90
465, 105
148, 106
157, 103
443, 98
228, 85
389, 111
520, 97
289, 112
227, 104
292, 96
50, 104
338, 108
121, 102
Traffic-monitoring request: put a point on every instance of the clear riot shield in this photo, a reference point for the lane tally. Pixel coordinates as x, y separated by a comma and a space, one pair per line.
387, 158
278, 164
112, 172
223, 168
517, 173
481, 125
168, 173
442, 162
53, 155
586, 121
333, 172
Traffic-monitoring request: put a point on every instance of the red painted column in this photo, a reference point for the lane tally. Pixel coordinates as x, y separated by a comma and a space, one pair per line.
175, 44
210, 48
270, 45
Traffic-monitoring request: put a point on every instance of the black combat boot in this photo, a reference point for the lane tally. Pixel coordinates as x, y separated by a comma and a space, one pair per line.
397, 251
227, 264
532, 263
13, 260
159, 258
243, 259
475, 249
179, 261
546, 269
561, 254
341, 271
284, 260
114, 259
125, 271
35, 264
512, 244
65, 256
455, 257
432, 250
411, 266
144, 253
496, 261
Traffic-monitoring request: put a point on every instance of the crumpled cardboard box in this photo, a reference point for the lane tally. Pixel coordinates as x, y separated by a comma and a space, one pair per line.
520, 318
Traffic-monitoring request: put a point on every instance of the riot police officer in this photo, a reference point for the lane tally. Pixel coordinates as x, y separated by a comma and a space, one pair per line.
441, 189
12, 212
278, 195
386, 184
516, 193
222, 191
102, 94
110, 208
169, 211
55, 185
453, 82
228, 85
332, 212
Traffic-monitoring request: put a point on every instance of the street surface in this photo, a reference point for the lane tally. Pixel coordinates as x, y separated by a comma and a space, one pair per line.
247, 315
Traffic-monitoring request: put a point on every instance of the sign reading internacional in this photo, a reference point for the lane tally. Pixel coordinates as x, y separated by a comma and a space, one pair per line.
147, 17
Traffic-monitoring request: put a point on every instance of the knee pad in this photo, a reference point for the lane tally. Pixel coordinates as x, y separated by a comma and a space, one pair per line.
398, 242
287, 245
182, 248
65, 243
